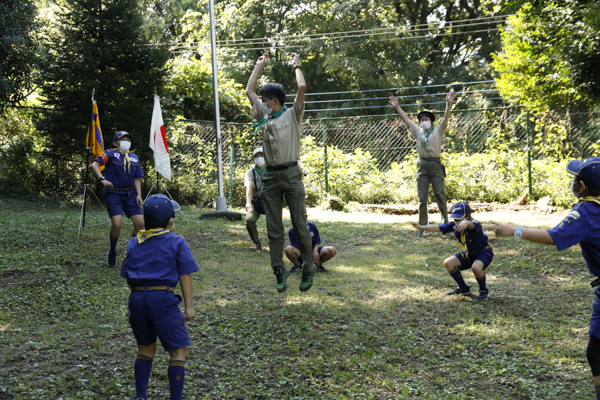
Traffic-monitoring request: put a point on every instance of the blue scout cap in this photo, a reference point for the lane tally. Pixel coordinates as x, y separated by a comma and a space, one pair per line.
159, 207
588, 170
460, 210
120, 134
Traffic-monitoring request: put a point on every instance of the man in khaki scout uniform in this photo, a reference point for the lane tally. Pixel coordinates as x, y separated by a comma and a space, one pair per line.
429, 168
281, 131
253, 185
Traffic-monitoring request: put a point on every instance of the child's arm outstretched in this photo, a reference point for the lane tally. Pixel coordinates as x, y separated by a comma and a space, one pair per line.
533, 235
188, 297
428, 228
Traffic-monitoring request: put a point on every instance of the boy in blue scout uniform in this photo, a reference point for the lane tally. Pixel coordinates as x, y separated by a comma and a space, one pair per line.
122, 188
157, 259
580, 226
476, 253
320, 254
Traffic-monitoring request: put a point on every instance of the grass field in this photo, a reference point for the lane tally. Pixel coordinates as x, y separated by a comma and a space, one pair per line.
378, 325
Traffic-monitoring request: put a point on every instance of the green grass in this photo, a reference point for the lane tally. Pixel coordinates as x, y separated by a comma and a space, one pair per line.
378, 325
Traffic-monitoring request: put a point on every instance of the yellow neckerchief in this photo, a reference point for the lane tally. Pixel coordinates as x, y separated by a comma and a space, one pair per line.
463, 239
590, 198
127, 163
142, 236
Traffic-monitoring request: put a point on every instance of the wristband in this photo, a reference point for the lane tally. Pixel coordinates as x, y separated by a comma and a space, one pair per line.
518, 235
297, 66
101, 178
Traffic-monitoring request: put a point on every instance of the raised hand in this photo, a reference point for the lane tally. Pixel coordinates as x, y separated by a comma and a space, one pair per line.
295, 58
393, 101
450, 97
262, 61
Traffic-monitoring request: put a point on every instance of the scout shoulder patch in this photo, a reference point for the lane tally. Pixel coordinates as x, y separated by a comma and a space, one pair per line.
574, 214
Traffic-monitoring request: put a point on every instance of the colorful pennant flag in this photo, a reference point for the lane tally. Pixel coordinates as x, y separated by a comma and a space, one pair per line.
95, 140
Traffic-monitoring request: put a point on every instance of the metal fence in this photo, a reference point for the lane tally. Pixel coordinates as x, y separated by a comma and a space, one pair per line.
388, 140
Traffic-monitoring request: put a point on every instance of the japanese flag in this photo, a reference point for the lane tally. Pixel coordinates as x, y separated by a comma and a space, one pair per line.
158, 142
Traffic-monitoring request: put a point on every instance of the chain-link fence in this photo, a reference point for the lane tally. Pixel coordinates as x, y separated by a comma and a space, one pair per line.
387, 139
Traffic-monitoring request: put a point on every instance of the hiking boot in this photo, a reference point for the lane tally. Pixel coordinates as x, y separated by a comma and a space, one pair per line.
282, 275
112, 259
307, 280
296, 268
321, 268
483, 295
256, 246
458, 290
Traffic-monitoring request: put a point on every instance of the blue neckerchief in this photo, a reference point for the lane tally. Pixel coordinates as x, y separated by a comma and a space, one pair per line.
263, 121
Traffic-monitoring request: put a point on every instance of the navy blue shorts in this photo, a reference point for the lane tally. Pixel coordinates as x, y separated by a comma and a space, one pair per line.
595, 320
116, 203
485, 256
155, 314
300, 257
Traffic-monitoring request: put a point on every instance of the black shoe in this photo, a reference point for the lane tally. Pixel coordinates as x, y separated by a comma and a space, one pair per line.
458, 290
112, 259
321, 268
483, 294
296, 268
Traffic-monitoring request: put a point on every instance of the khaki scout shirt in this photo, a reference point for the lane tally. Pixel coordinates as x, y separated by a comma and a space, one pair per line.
281, 135
249, 182
434, 148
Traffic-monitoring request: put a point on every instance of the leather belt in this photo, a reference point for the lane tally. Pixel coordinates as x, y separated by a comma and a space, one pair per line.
281, 166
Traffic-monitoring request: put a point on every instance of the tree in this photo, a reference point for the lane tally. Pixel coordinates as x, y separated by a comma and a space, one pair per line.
100, 45
550, 57
17, 48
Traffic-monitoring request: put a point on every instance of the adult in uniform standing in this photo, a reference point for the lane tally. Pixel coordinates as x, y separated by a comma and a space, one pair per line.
253, 185
430, 169
281, 131
580, 226
122, 188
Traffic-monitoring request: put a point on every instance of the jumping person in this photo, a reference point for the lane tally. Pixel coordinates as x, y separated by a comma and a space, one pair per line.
157, 259
476, 253
122, 188
580, 226
281, 131
430, 169
320, 254
253, 185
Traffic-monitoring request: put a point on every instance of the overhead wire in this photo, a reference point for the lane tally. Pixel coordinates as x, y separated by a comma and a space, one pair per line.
401, 105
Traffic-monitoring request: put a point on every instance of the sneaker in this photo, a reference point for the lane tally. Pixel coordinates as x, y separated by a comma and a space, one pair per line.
256, 246
458, 290
296, 268
307, 280
112, 259
483, 295
282, 275
321, 268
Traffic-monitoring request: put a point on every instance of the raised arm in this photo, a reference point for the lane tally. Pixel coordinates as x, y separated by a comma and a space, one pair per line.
252, 82
449, 99
300, 80
394, 102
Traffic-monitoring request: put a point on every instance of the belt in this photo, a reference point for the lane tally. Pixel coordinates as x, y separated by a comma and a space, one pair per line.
485, 248
430, 159
144, 288
595, 282
281, 166
127, 189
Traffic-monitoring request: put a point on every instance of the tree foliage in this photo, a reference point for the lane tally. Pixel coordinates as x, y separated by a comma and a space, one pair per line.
99, 45
550, 57
17, 48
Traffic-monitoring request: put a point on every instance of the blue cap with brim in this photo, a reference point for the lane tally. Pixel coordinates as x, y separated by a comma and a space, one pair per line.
460, 210
120, 134
587, 170
159, 207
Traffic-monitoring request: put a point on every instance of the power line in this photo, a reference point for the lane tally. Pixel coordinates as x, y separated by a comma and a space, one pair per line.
393, 89
401, 105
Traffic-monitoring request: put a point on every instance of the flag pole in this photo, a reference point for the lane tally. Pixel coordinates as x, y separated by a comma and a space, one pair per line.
89, 147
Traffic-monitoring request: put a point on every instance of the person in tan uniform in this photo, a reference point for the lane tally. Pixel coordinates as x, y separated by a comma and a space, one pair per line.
430, 169
281, 129
253, 185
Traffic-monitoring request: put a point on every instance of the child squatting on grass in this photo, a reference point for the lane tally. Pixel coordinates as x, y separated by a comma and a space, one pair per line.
156, 260
476, 253
581, 226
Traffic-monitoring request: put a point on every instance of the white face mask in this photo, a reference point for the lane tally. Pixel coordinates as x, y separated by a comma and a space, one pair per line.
268, 110
260, 161
426, 125
576, 193
124, 145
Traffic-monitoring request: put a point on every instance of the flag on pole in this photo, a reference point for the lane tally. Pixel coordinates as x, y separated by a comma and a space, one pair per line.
158, 142
94, 135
